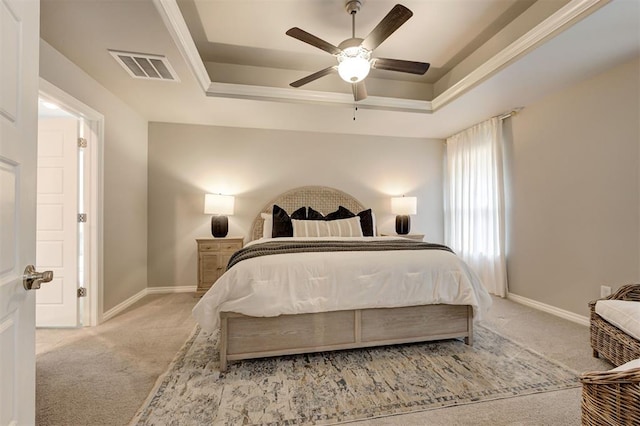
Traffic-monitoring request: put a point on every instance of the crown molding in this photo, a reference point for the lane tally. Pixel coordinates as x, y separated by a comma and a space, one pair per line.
559, 21
566, 16
242, 91
174, 21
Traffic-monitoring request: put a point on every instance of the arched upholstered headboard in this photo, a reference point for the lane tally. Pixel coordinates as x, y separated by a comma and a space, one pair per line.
321, 198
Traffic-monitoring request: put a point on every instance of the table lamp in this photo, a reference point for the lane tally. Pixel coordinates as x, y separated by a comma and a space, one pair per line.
219, 206
403, 207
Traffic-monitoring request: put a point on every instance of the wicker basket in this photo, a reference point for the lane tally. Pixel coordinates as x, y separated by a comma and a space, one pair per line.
608, 341
611, 398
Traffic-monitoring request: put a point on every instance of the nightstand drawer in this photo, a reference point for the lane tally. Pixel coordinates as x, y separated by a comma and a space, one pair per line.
209, 247
231, 247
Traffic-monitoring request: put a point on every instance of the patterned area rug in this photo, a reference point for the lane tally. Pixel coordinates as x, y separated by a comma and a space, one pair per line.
333, 387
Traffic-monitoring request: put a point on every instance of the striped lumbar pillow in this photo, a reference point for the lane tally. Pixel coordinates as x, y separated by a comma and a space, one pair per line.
333, 228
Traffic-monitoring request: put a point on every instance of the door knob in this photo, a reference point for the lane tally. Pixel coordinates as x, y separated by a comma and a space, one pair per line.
32, 279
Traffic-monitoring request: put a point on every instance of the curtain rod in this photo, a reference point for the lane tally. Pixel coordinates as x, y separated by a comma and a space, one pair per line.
511, 113
500, 117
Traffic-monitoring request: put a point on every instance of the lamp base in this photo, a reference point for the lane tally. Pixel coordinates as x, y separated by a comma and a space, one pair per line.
403, 224
219, 226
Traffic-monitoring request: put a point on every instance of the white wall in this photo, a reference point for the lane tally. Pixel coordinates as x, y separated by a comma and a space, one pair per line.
186, 161
574, 218
125, 177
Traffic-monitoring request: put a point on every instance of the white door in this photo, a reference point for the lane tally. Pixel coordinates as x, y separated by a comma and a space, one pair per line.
57, 224
89, 200
19, 46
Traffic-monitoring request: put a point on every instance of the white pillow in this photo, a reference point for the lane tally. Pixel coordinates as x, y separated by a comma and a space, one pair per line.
624, 314
267, 225
628, 366
327, 228
375, 225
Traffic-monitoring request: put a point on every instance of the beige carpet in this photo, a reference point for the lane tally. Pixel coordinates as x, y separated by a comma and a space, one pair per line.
102, 375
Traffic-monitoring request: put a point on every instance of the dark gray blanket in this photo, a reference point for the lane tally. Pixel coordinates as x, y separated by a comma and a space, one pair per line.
282, 247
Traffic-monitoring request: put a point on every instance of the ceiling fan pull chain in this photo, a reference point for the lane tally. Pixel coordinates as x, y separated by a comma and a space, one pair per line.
355, 108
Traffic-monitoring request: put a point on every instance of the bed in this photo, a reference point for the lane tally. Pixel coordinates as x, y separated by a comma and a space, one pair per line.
287, 302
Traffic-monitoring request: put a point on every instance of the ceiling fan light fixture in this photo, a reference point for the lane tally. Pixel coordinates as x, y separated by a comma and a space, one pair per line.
354, 64
354, 55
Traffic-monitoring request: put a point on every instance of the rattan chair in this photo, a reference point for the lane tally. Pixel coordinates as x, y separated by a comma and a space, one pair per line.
611, 398
608, 341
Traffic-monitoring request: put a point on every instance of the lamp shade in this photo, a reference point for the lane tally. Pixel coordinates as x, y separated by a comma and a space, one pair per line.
218, 204
354, 64
404, 205
353, 70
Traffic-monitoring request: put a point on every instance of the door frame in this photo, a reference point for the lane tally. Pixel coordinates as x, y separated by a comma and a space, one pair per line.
92, 312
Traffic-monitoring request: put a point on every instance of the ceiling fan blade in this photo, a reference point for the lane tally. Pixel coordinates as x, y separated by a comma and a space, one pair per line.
394, 19
314, 76
359, 90
400, 65
308, 38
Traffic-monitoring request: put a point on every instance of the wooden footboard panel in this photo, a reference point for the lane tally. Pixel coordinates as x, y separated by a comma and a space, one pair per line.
245, 337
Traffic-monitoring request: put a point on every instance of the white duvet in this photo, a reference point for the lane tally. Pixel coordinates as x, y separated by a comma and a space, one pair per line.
317, 282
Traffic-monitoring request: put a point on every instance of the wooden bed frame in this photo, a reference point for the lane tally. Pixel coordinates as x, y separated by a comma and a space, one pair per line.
245, 337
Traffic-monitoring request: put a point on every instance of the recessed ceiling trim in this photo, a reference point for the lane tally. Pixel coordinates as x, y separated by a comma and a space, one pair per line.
562, 19
175, 23
243, 91
173, 19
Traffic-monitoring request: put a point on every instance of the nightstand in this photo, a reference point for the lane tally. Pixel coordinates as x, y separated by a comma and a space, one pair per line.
213, 256
417, 237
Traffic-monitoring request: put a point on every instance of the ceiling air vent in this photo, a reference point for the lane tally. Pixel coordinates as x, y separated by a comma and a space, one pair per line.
145, 66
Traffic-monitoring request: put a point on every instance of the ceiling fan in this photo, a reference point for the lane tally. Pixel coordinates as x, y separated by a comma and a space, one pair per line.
354, 55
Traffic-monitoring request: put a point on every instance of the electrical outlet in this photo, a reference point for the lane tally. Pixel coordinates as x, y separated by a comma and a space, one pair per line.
605, 291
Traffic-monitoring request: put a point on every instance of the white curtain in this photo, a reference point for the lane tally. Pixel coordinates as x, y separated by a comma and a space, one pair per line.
474, 206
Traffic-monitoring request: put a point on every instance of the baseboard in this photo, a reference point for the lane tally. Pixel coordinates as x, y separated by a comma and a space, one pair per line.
172, 289
123, 305
570, 316
142, 293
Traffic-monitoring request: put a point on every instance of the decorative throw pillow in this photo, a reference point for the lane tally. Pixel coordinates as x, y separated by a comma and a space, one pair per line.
341, 213
299, 214
267, 225
345, 227
282, 221
366, 222
366, 219
310, 228
322, 228
314, 214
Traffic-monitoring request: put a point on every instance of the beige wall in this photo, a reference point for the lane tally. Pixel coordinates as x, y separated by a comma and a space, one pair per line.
186, 161
125, 177
573, 207
574, 216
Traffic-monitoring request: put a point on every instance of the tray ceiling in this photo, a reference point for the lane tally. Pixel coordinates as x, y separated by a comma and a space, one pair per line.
235, 62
